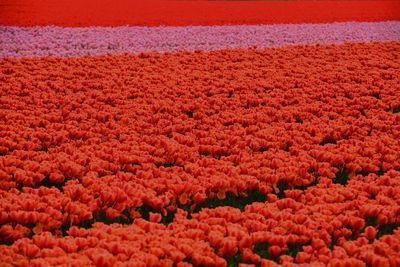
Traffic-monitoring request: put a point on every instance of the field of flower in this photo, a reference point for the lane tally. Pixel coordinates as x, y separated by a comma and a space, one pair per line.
175, 139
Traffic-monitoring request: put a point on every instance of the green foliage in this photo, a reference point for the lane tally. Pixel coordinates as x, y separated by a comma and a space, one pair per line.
342, 176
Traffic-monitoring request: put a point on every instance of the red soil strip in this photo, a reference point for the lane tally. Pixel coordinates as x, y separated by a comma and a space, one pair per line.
155, 12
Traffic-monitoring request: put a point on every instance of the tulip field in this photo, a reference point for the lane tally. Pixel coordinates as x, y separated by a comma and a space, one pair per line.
199, 133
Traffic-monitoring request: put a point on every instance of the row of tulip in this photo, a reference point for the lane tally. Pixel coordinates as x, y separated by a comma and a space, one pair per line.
325, 224
308, 133
73, 13
75, 42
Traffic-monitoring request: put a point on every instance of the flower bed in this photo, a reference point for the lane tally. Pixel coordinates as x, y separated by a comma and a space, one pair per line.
93, 41
246, 155
74, 13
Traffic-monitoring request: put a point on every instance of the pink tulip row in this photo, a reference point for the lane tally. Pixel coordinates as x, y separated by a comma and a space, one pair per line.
76, 42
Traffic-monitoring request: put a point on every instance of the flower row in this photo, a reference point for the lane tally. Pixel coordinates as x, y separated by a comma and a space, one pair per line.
272, 155
75, 42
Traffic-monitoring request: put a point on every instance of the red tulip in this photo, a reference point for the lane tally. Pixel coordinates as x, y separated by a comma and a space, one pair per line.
370, 232
155, 217
274, 251
303, 257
